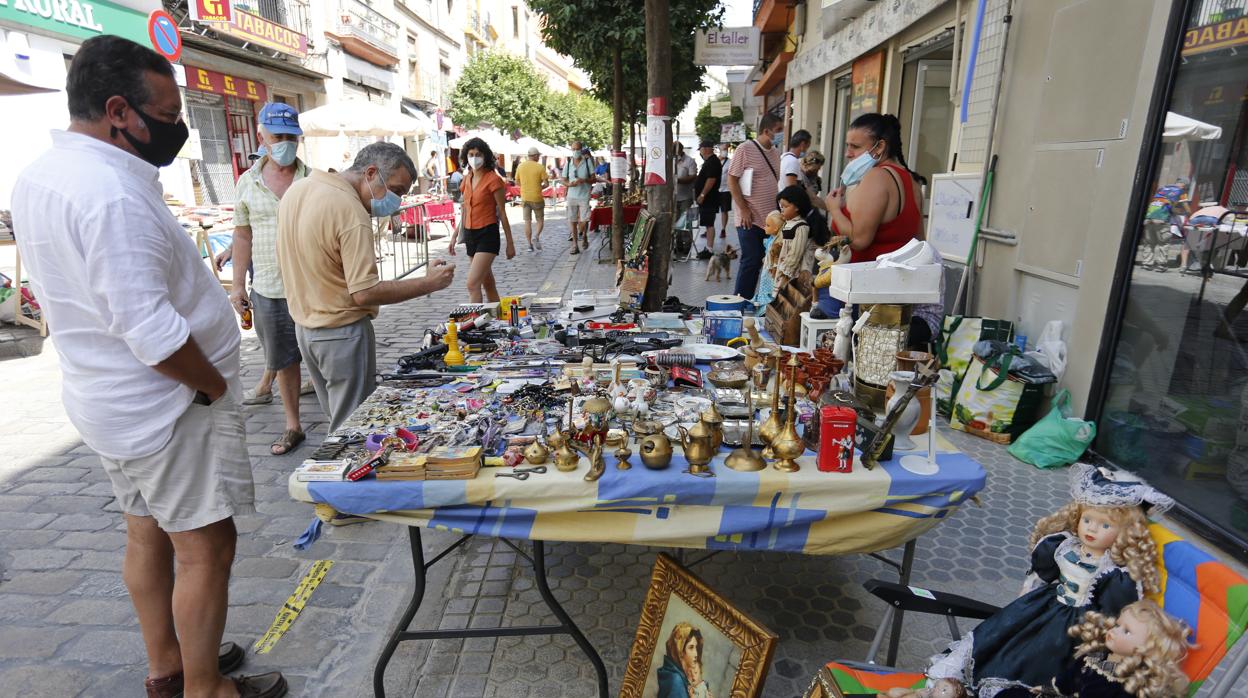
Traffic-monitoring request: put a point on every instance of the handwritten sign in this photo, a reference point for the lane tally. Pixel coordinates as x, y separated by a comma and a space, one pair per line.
951, 219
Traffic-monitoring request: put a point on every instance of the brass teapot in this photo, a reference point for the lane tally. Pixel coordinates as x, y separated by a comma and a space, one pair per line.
696, 443
714, 422
536, 453
656, 451
566, 459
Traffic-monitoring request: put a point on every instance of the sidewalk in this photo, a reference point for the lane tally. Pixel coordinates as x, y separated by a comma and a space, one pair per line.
69, 628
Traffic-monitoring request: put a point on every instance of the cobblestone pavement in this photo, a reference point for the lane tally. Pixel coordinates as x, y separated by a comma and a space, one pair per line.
69, 628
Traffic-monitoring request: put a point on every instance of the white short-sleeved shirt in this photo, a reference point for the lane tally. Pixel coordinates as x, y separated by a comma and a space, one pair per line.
123, 287
790, 164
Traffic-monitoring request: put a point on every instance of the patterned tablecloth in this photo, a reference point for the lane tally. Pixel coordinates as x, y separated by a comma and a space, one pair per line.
807, 512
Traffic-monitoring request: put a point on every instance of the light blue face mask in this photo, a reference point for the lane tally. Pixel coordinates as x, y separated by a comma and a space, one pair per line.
283, 152
857, 168
777, 139
387, 205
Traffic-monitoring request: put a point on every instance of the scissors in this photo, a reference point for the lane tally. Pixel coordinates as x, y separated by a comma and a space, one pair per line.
523, 473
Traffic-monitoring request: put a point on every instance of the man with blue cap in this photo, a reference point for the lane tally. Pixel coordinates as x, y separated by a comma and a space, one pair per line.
255, 245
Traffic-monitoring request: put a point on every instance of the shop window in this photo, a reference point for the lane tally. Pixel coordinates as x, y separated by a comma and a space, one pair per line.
1176, 405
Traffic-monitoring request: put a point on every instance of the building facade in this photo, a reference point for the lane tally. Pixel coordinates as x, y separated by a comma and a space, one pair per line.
1089, 107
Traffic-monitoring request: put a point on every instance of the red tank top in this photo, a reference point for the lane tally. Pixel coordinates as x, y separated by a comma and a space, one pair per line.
894, 234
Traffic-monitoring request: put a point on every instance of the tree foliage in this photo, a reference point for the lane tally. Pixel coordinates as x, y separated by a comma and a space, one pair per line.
707, 126
572, 117
587, 30
506, 91
502, 90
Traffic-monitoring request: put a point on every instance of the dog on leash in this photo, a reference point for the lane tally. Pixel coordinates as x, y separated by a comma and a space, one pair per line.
721, 263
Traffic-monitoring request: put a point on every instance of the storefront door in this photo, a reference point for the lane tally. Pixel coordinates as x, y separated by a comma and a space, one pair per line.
242, 133
215, 172
932, 121
1174, 405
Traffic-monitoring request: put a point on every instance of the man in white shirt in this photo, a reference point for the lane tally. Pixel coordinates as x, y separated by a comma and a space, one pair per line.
791, 160
578, 175
149, 350
685, 170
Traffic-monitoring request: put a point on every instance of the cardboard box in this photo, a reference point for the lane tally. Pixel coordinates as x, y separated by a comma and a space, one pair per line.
866, 282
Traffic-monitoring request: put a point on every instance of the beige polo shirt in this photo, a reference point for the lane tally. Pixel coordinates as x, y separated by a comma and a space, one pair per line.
325, 251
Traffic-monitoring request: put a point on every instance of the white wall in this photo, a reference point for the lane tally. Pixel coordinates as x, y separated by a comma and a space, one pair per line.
26, 120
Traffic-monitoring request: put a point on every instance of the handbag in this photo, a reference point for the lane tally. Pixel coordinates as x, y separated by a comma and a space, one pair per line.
1057, 439
993, 404
956, 349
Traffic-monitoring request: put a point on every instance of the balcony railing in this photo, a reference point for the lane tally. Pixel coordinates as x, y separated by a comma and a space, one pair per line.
288, 13
426, 87
359, 19
1214, 11
478, 24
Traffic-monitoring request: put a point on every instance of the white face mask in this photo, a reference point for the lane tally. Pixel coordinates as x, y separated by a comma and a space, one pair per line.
476, 161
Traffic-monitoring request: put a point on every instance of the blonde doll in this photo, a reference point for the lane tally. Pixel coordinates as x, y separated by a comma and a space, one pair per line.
1136, 655
772, 246
1094, 554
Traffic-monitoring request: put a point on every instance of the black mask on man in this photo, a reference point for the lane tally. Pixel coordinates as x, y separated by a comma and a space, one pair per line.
166, 139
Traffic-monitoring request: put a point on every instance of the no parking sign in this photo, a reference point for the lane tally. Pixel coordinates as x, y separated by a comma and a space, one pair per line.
163, 31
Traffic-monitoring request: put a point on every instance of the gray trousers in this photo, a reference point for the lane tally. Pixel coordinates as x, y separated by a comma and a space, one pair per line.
343, 365
1154, 247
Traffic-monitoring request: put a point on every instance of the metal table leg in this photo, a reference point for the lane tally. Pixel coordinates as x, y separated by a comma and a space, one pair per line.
537, 560
907, 562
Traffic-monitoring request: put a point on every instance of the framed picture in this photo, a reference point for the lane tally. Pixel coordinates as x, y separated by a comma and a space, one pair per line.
691, 642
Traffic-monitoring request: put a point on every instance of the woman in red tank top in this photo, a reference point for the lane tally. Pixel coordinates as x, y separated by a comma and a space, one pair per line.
882, 211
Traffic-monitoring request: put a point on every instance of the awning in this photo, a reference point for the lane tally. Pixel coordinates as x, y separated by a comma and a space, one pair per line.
421, 118
500, 144
527, 142
1184, 128
353, 117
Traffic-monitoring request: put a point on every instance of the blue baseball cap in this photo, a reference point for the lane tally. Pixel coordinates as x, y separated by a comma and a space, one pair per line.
280, 119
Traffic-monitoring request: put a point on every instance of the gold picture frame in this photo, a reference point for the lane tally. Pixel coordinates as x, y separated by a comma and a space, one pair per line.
732, 648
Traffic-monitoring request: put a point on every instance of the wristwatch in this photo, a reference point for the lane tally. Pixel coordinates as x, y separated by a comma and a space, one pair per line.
201, 398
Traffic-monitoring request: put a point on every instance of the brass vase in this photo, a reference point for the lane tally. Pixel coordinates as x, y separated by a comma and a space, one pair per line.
788, 446
771, 428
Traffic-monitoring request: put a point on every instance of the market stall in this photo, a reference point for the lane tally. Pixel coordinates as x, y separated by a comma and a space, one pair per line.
576, 420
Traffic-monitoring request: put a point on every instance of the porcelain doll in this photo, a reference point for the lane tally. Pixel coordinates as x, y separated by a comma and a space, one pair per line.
1139, 654
772, 243
1095, 554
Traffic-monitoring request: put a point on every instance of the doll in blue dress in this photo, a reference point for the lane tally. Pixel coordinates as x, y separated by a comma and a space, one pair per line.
1095, 554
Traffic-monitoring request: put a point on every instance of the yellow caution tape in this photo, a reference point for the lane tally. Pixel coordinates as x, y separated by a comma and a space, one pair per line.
293, 606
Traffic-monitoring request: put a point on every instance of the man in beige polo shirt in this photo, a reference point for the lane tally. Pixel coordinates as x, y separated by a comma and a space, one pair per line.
325, 251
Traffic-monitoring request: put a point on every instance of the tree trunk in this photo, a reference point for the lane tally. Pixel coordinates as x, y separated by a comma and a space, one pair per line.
659, 198
617, 142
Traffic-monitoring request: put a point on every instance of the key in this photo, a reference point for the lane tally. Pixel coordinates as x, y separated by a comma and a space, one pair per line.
519, 475
539, 470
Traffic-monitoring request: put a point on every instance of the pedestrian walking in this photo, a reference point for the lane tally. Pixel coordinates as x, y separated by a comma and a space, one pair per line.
150, 353
531, 176
791, 160
431, 173
255, 246
706, 188
725, 195
485, 208
578, 175
685, 170
752, 178
325, 252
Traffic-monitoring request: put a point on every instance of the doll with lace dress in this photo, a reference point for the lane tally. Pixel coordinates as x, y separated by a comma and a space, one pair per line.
1139, 654
1095, 554
772, 246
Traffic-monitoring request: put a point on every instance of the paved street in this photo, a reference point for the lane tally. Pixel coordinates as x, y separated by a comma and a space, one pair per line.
69, 628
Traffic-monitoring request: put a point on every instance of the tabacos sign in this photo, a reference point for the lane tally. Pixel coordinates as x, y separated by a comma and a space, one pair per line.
1211, 37
77, 18
259, 30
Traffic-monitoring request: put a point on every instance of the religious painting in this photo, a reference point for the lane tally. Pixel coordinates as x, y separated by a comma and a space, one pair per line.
691, 643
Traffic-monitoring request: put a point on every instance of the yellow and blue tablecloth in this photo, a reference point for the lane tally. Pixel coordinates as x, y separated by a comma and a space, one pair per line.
809, 512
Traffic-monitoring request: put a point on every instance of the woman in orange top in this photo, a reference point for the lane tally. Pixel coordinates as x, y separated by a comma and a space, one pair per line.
484, 207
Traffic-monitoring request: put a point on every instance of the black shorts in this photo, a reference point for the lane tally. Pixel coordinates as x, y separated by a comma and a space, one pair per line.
725, 201
482, 240
707, 213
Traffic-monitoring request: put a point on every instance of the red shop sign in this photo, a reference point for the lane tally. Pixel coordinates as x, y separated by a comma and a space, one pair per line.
206, 80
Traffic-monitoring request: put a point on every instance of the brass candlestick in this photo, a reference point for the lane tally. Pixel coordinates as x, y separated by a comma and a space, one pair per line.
745, 458
771, 428
788, 446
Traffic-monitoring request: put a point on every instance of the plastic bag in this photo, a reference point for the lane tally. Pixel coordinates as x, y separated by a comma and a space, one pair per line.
1050, 349
1057, 439
992, 401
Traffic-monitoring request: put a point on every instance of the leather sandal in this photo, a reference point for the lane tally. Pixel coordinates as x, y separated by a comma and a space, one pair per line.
229, 657
286, 442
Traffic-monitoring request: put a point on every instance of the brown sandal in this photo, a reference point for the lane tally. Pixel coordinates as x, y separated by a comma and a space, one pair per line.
286, 442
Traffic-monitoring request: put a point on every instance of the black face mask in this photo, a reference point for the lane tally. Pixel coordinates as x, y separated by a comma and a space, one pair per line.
166, 139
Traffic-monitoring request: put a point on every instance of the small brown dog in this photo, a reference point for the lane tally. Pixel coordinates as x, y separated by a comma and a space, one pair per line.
721, 263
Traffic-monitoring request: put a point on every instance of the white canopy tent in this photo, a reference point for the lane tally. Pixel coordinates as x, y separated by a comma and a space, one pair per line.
553, 151
500, 144
1184, 128
353, 117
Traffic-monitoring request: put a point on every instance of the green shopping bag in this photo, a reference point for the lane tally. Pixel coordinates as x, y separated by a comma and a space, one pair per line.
1057, 439
956, 349
993, 404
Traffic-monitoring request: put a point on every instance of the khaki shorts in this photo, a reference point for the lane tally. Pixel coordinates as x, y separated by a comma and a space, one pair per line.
578, 210
202, 476
534, 209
